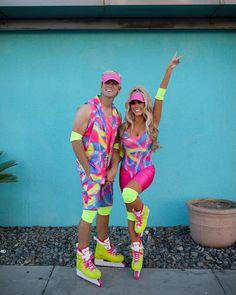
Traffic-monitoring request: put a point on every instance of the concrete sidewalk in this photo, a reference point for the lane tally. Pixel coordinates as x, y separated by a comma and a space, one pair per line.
47, 280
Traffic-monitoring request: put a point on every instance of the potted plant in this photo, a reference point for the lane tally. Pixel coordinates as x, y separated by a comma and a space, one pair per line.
212, 222
5, 176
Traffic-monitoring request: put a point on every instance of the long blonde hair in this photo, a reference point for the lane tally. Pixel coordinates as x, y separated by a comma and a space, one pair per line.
148, 116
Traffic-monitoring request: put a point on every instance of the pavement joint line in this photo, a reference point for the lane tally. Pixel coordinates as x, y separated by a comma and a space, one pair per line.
218, 280
45, 287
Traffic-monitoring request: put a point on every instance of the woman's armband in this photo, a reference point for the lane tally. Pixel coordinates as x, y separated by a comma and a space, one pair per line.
75, 136
160, 94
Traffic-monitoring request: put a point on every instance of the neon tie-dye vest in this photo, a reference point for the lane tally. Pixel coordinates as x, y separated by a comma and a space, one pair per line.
95, 142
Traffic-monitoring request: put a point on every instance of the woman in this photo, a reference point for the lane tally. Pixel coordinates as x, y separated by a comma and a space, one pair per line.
138, 139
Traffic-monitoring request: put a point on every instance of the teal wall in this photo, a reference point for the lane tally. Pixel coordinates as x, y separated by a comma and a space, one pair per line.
44, 76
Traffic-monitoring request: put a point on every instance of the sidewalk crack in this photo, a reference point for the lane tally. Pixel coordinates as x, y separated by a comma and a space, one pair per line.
50, 274
218, 280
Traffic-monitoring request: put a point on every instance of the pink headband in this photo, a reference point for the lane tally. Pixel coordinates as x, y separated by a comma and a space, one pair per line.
136, 95
111, 76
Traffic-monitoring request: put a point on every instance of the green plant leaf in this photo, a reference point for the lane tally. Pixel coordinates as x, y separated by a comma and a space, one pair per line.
7, 164
7, 177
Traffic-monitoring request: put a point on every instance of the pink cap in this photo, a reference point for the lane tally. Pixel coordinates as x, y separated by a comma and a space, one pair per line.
106, 76
136, 95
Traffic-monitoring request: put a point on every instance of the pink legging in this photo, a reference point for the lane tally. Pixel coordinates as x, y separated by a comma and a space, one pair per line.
143, 177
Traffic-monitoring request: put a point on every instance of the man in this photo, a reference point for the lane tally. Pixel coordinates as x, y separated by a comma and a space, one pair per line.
93, 140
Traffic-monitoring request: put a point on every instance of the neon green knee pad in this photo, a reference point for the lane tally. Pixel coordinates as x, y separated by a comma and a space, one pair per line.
129, 195
131, 216
104, 210
89, 215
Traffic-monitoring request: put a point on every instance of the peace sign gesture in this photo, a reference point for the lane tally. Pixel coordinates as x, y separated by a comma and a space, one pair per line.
175, 60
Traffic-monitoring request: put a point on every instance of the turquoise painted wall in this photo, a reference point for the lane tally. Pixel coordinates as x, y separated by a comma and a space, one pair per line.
44, 76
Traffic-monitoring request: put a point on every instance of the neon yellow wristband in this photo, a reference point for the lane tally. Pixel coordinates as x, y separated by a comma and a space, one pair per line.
116, 146
122, 153
160, 94
75, 136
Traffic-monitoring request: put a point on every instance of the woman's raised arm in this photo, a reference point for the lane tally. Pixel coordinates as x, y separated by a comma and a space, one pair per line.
157, 109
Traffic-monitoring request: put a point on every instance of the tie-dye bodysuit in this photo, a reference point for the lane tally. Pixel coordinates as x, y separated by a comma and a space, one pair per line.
137, 163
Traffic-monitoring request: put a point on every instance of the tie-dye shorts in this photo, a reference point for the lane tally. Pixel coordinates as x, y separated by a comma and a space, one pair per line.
94, 194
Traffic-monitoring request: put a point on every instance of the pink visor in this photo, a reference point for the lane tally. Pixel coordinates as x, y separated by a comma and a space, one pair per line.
136, 96
111, 76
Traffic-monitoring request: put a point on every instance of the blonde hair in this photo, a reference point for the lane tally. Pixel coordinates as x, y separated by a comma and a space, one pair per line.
148, 116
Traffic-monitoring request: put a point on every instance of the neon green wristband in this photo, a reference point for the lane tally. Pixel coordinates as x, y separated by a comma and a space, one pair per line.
116, 146
160, 94
122, 153
75, 136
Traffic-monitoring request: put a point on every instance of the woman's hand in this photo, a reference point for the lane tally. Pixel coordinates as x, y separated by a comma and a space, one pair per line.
175, 61
110, 175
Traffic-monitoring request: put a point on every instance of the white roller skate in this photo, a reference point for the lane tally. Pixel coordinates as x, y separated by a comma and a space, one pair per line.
137, 260
105, 255
86, 269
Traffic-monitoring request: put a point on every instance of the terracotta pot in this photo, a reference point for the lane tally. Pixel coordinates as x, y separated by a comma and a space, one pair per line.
212, 222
